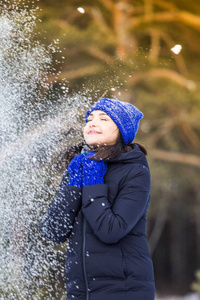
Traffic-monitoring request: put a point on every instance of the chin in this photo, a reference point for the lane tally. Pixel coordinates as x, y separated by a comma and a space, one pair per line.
93, 142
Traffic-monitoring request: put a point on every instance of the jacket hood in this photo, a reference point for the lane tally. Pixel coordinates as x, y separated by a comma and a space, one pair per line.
133, 156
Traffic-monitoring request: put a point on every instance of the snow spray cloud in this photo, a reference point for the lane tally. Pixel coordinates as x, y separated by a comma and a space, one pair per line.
36, 127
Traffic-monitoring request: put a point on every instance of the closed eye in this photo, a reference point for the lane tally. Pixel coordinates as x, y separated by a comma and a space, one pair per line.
102, 119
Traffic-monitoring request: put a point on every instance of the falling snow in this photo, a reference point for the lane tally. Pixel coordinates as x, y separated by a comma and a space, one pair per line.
81, 10
176, 49
34, 131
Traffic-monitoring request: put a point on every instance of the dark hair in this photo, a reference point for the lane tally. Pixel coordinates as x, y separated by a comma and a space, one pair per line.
102, 151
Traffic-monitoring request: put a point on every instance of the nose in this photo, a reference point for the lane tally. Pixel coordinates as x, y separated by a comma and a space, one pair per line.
92, 123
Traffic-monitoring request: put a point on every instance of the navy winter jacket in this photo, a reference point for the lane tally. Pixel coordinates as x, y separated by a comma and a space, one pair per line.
108, 257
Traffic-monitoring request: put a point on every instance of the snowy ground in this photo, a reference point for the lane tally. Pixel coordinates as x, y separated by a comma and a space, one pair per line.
187, 297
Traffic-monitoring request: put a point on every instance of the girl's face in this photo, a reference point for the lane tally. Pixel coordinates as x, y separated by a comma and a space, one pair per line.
100, 129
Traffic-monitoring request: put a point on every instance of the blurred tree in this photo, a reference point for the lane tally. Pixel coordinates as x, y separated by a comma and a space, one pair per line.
126, 47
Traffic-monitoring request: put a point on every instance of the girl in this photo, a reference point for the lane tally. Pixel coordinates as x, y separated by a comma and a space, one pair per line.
101, 208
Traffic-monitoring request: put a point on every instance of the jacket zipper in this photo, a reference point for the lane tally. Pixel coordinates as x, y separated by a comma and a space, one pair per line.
123, 260
84, 254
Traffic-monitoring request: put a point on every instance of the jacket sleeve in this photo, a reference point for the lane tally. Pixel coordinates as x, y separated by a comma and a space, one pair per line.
58, 222
110, 224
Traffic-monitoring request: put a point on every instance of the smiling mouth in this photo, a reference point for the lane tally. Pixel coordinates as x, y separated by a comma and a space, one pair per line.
94, 132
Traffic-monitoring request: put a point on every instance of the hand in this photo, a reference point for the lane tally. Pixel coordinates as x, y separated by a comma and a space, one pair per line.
93, 171
75, 171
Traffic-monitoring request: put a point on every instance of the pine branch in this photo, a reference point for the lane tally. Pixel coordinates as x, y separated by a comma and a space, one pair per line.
188, 159
176, 16
163, 73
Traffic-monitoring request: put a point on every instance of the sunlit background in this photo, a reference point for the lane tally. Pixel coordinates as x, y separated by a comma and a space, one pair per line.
56, 59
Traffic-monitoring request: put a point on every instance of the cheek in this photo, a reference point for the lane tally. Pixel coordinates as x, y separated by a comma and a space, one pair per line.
111, 134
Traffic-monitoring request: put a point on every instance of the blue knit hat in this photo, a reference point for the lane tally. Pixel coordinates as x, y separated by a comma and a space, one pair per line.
125, 115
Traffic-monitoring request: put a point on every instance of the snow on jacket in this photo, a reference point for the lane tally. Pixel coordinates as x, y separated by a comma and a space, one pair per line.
108, 256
